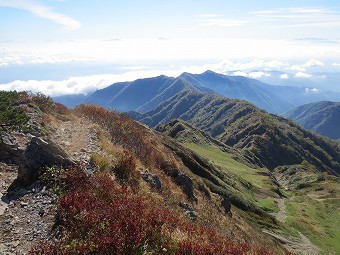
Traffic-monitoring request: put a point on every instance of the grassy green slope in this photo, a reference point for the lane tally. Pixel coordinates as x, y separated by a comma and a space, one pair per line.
311, 199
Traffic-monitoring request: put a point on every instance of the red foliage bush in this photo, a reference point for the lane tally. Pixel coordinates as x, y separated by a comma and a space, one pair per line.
100, 217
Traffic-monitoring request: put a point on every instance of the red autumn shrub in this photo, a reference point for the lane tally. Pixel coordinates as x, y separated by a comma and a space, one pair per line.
100, 217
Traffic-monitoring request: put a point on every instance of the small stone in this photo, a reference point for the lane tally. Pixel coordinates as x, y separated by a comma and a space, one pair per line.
191, 214
23, 204
41, 212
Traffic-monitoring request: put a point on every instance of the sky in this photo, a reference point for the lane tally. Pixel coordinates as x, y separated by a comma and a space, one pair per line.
76, 46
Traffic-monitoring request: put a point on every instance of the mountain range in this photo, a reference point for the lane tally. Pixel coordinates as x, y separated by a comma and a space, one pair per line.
143, 95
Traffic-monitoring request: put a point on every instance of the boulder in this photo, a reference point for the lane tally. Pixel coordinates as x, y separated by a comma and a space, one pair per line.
41, 153
152, 180
9, 148
188, 210
182, 180
225, 203
187, 185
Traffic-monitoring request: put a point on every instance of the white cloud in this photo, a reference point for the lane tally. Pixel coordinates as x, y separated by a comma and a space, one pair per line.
281, 11
42, 11
275, 64
80, 85
284, 76
309, 10
258, 74
302, 68
240, 73
249, 65
135, 68
22, 59
258, 63
301, 17
254, 75
297, 68
266, 54
222, 22
336, 64
313, 62
312, 90
303, 75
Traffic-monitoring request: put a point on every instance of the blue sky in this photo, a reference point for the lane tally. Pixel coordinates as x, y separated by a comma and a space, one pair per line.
71, 46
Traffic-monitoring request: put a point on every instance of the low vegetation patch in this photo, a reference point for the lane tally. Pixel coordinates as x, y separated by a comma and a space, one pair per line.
98, 216
10, 114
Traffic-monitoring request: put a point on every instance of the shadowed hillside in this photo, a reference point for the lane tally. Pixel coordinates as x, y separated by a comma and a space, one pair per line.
322, 118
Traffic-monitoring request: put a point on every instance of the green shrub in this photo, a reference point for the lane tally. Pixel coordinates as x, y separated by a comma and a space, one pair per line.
10, 114
52, 178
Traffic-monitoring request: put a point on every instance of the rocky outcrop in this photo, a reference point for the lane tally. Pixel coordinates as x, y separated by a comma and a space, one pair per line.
188, 210
187, 185
152, 180
9, 148
41, 153
225, 203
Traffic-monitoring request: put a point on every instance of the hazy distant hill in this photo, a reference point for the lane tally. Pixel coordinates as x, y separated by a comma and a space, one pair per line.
321, 117
140, 95
70, 100
272, 98
273, 140
243, 88
143, 95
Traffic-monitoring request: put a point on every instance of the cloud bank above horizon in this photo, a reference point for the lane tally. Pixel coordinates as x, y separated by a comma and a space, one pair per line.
150, 38
86, 84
